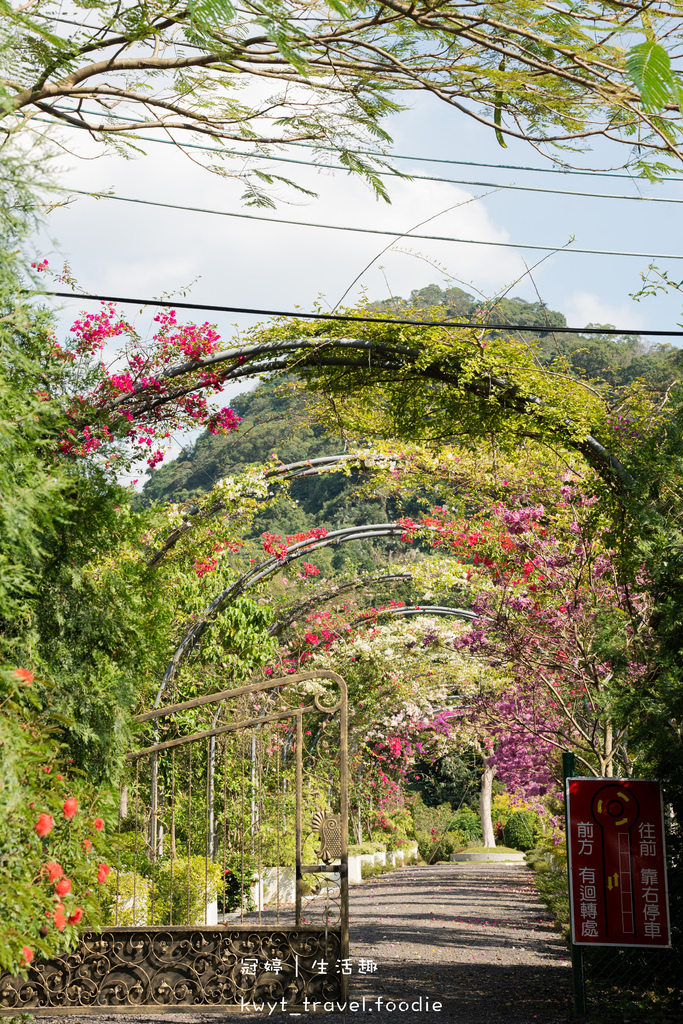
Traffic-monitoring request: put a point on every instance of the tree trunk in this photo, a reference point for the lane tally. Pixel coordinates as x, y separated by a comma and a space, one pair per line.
485, 806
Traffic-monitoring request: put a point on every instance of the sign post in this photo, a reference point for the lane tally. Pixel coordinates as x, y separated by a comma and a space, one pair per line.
578, 983
617, 863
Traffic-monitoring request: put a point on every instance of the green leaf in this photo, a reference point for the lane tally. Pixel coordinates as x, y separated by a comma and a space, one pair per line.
214, 13
649, 68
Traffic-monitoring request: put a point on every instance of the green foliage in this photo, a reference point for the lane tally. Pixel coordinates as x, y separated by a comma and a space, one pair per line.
183, 899
356, 849
649, 68
125, 899
234, 892
39, 789
467, 822
522, 830
450, 778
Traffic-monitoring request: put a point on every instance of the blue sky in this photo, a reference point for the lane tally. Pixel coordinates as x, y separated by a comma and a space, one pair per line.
126, 249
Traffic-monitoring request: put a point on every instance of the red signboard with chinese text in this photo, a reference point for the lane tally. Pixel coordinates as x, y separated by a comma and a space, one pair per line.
617, 863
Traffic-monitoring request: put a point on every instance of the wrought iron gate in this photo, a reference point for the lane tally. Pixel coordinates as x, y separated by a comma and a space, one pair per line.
220, 898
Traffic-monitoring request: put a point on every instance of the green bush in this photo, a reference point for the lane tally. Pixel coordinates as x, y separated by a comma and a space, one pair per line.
358, 849
232, 894
204, 881
467, 822
522, 830
127, 890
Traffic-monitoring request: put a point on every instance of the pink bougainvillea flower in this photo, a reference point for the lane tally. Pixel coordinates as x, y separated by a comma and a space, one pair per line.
44, 825
76, 916
25, 676
70, 807
59, 919
63, 887
99, 824
54, 870
103, 871
26, 954
87, 845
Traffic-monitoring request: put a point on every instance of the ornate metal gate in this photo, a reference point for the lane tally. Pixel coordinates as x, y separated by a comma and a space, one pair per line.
220, 898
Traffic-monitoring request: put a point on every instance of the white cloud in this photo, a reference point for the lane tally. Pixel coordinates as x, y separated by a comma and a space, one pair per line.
583, 308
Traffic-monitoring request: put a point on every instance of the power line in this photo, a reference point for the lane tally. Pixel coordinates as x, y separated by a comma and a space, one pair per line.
376, 231
413, 177
370, 152
253, 311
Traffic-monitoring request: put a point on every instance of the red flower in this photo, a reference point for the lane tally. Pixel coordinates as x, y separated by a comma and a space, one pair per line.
44, 825
54, 870
63, 887
99, 824
70, 808
59, 919
87, 845
102, 872
76, 916
26, 954
25, 675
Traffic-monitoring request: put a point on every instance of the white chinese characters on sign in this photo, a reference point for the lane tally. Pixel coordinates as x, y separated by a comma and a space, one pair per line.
587, 895
651, 911
585, 834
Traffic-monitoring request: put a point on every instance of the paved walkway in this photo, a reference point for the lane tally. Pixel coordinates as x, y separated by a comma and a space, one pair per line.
472, 942
475, 938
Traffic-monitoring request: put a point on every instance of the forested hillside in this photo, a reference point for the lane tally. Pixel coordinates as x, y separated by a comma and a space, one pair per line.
279, 423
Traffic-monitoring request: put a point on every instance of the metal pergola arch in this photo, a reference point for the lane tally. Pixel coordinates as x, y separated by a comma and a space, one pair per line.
262, 571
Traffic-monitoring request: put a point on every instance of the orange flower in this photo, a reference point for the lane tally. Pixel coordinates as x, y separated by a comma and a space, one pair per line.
76, 916
26, 954
102, 872
59, 919
99, 824
54, 870
44, 825
63, 887
87, 845
25, 675
70, 807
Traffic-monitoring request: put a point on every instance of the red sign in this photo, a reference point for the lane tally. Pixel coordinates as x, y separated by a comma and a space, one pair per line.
617, 863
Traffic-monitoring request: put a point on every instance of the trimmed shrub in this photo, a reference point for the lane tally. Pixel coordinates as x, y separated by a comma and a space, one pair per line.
204, 880
127, 890
522, 830
468, 823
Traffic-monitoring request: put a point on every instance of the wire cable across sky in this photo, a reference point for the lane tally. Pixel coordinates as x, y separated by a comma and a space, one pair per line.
566, 247
351, 318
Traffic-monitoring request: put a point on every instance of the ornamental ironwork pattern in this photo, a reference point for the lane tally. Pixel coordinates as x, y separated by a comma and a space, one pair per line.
140, 968
329, 829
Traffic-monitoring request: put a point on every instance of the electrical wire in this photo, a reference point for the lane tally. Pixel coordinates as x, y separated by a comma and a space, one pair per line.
377, 231
373, 153
347, 317
410, 177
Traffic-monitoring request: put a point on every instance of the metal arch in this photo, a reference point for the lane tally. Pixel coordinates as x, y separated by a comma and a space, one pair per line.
431, 609
290, 471
347, 353
262, 571
408, 610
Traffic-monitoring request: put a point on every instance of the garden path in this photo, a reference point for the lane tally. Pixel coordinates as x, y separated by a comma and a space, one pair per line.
474, 938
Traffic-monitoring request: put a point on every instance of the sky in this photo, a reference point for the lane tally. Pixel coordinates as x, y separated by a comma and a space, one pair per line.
143, 251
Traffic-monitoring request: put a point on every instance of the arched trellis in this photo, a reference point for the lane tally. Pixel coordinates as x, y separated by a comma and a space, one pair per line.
294, 612
385, 357
291, 471
259, 573
405, 612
